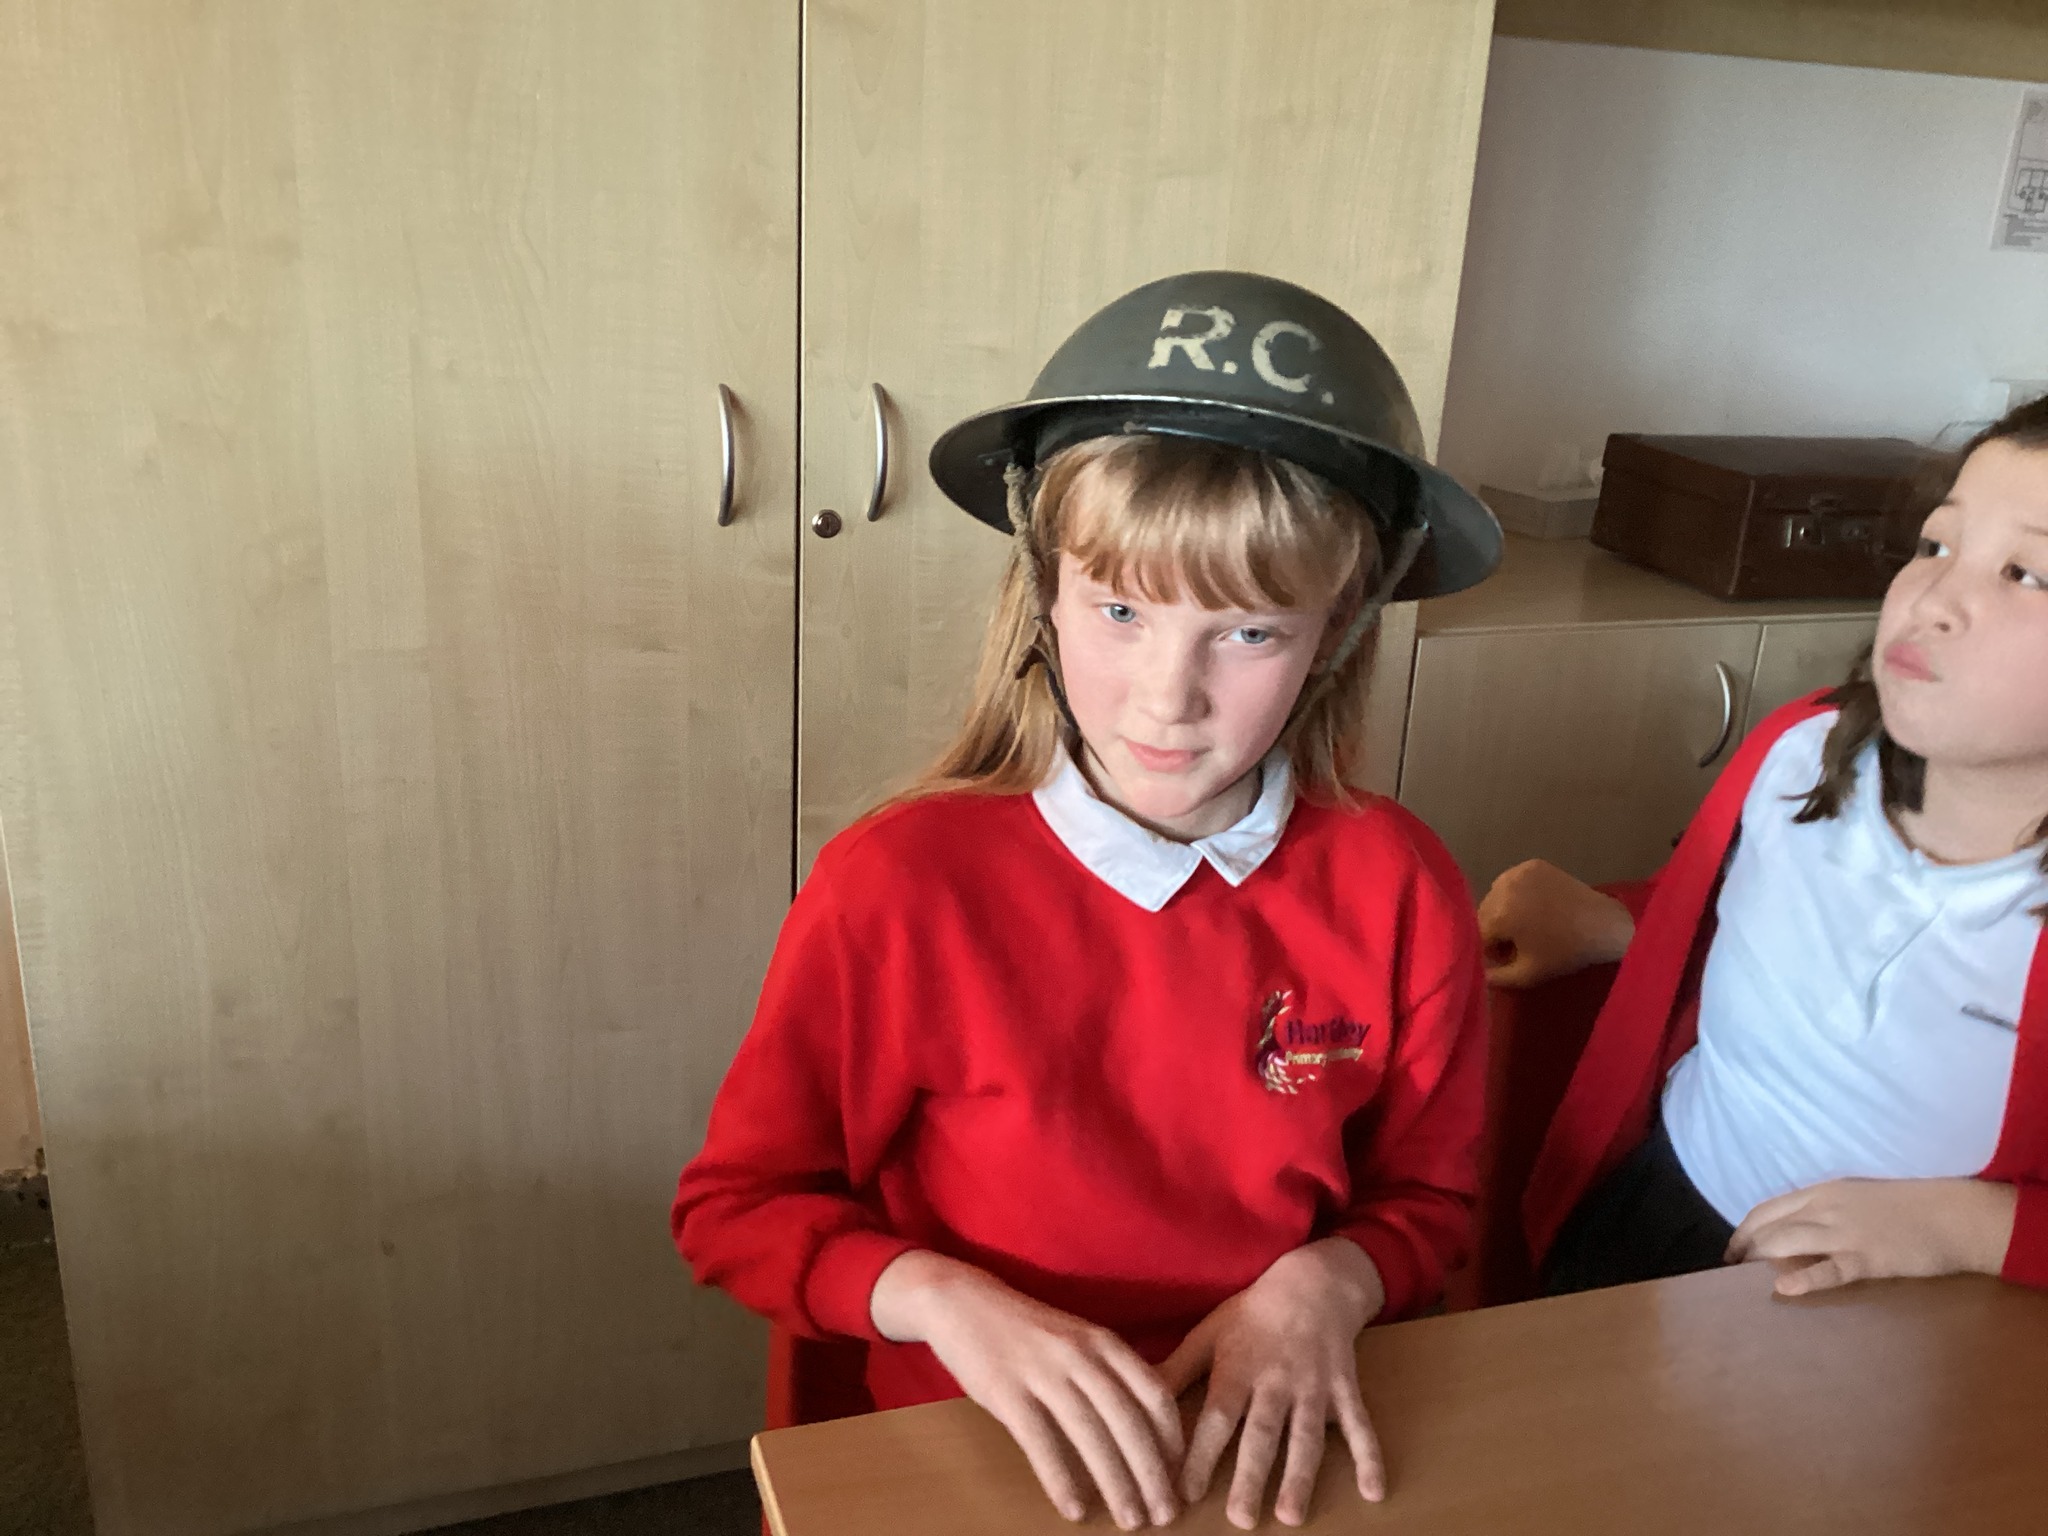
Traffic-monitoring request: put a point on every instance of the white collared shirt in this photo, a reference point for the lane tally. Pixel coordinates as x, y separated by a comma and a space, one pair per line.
1859, 1008
1138, 863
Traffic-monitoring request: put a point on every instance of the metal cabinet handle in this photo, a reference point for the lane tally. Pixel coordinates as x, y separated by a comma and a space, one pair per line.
881, 486
728, 447
1727, 681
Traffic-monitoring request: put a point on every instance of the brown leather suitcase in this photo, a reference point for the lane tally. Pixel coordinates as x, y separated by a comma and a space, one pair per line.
1775, 517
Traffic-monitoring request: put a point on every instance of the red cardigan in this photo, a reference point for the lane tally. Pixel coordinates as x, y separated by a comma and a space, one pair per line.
967, 1042
1651, 1019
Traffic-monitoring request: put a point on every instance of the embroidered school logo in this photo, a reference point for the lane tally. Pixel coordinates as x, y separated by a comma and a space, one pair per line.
1292, 1051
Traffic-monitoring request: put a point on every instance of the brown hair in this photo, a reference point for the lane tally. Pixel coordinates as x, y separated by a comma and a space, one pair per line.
1903, 773
1165, 518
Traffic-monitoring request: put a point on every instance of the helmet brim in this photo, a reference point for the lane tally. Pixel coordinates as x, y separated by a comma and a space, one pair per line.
1397, 489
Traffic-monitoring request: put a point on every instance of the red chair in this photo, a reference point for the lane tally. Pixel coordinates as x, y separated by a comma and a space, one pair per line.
812, 1380
1535, 1037
1534, 1041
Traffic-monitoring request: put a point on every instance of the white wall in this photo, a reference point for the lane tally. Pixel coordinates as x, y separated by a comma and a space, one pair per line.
1667, 242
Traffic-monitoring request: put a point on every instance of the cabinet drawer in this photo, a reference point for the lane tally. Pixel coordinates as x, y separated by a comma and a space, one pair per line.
1796, 658
1580, 746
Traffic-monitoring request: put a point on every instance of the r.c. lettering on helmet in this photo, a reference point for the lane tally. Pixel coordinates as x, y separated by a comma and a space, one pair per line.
1222, 322
1262, 355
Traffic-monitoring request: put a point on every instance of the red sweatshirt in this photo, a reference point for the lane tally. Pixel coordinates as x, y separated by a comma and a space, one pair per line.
1651, 1019
969, 1043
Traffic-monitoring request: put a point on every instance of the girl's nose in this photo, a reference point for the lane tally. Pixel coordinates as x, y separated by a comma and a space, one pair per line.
1172, 690
1943, 603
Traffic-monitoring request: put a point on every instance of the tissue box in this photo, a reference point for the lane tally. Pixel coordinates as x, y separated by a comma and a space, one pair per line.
1544, 514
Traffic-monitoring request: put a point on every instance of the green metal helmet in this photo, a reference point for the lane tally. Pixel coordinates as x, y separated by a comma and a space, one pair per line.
1236, 358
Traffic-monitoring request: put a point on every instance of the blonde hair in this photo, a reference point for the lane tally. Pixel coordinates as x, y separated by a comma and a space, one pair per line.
1167, 519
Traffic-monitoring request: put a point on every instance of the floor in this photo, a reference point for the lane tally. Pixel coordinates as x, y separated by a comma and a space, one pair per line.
42, 1469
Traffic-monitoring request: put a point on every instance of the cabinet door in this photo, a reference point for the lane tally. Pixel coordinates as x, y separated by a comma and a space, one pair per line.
21, 1131
980, 177
393, 748
1796, 658
1580, 746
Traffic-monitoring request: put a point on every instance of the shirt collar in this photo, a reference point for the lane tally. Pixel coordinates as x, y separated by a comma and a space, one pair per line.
1973, 896
1138, 863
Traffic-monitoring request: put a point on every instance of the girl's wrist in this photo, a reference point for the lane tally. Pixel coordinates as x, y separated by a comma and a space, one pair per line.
1986, 1232
1613, 928
910, 1295
1353, 1276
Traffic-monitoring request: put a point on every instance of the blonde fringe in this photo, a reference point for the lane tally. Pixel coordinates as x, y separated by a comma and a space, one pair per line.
1164, 517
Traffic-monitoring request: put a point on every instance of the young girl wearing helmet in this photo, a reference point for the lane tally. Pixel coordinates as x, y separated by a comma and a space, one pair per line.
1133, 1044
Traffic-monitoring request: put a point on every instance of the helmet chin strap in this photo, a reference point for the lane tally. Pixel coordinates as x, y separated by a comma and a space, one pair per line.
1044, 648
1324, 677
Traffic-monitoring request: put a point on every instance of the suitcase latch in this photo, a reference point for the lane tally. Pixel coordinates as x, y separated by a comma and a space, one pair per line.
1825, 524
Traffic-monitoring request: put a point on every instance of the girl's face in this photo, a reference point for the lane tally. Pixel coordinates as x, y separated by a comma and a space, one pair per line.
1178, 703
1962, 644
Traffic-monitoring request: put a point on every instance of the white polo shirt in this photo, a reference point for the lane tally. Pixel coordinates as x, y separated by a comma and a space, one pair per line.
1137, 862
1859, 1009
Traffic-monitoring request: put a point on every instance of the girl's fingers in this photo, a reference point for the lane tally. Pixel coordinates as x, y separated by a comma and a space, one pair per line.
1509, 967
1821, 1275
1035, 1436
1136, 1435
1761, 1228
1767, 1214
1365, 1445
1256, 1450
1213, 1430
1099, 1452
1197, 1353
1304, 1459
1790, 1238
1152, 1393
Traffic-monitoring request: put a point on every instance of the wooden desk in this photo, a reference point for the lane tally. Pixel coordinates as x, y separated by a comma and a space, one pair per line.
1699, 1405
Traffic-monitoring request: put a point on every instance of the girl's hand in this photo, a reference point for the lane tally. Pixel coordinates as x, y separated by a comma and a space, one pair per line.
1053, 1381
1538, 922
1876, 1229
1281, 1357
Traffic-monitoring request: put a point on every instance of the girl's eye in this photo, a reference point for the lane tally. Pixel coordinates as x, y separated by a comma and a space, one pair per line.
1930, 549
2021, 576
1251, 634
1120, 613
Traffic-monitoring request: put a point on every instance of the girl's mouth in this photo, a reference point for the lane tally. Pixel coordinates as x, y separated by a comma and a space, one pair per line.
1908, 661
1160, 759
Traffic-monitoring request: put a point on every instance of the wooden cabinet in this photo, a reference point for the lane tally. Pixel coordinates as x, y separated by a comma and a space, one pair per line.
1577, 709
396, 759
1587, 747
1798, 656
21, 1127
399, 761
979, 178
2000, 38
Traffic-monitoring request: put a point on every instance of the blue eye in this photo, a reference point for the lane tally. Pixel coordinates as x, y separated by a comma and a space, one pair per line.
1120, 613
1251, 634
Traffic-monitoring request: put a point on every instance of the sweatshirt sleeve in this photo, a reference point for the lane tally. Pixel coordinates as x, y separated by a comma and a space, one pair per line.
770, 1209
1414, 1152
2026, 1256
